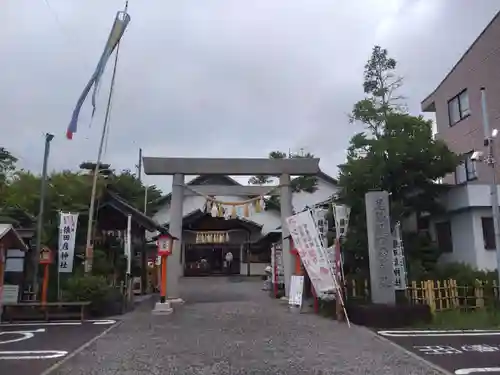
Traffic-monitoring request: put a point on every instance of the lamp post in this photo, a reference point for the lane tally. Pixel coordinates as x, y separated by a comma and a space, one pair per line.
489, 138
43, 189
45, 260
165, 244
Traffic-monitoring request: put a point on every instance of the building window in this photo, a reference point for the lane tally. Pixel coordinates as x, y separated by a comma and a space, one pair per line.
444, 237
458, 107
488, 233
466, 170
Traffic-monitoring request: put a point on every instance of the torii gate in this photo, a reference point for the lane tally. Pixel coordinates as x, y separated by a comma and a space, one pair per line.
180, 167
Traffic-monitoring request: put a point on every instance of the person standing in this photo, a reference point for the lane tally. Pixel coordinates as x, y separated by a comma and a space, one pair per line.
229, 261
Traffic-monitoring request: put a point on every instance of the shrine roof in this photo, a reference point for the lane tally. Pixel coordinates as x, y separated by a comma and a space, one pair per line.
125, 208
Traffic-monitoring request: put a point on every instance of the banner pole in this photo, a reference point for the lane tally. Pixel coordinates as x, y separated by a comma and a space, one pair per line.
58, 257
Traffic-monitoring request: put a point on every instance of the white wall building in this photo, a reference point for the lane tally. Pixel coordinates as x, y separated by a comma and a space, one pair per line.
466, 234
268, 221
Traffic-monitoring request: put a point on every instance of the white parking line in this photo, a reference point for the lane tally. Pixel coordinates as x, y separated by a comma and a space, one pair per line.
466, 371
471, 332
64, 323
33, 354
103, 322
23, 335
41, 324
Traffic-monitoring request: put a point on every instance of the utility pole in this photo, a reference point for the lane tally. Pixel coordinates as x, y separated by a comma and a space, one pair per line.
489, 137
43, 193
139, 176
139, 166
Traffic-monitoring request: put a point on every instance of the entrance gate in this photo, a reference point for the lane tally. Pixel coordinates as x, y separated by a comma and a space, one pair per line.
180, 167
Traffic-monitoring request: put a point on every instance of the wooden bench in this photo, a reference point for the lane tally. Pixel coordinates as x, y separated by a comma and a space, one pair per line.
47, 311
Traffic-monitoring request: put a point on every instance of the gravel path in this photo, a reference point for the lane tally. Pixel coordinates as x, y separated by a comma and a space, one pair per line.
232, 327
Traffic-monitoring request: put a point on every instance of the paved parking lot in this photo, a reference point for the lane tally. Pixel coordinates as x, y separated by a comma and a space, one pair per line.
459, 352
31, 348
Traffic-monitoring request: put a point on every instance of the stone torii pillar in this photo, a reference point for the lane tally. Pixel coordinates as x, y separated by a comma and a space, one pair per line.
174, 266
286, 208
180, 167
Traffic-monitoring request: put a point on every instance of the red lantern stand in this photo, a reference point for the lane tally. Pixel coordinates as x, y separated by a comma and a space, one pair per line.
45, 260
165, 243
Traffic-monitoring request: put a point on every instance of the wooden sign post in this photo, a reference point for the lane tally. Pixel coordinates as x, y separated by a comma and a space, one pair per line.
45, 260
165, 243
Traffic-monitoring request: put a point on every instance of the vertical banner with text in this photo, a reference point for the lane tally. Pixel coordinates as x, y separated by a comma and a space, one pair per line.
67, 236
310, 248
277, 267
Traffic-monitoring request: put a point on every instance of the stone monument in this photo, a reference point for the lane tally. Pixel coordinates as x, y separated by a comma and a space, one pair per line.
380, 243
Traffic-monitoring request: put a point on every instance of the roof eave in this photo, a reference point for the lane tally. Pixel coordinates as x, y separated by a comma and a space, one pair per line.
428, 104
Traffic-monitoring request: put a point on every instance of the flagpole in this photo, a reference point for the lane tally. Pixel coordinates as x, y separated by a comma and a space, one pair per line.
88, 246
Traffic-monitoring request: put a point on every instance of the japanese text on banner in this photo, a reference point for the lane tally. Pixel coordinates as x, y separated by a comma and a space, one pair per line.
67, 236
308, 244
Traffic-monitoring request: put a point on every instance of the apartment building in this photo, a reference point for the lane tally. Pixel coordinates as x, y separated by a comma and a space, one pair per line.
466, 233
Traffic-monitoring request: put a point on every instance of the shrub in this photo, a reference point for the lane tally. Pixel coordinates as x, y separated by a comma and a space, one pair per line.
85, 288
464, 274
105, 300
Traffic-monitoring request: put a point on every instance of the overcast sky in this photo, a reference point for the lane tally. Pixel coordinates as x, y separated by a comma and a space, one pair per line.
215, 78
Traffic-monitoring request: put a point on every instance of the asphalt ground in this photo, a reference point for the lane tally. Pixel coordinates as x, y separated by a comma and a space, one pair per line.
459, 352
31, 348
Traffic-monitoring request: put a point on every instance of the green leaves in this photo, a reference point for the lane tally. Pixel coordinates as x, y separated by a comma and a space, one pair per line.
66, 191
380, 86
302, 183
396, 152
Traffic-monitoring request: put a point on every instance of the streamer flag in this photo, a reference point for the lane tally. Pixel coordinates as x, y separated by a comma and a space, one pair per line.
122, 19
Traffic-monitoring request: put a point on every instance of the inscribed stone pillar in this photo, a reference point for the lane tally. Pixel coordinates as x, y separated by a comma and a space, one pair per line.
380, 244
286, 211
175, 229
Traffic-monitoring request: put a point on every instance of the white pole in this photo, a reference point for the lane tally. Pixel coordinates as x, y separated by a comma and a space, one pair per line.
90, 223
128, 245
128, 251
59, 258
488, 140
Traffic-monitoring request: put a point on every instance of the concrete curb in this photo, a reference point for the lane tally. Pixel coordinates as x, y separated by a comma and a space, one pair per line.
410, 353
56, 365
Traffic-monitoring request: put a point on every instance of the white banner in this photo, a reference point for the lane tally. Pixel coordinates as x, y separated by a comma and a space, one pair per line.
308, 244
67, 236
319, 215
399, 264
341, 216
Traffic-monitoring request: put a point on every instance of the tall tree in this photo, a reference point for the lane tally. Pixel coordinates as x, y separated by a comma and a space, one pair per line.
380, 85
396, 152
7, 167
301, 183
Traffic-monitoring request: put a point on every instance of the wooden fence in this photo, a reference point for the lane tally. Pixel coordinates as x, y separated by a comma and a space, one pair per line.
439, 295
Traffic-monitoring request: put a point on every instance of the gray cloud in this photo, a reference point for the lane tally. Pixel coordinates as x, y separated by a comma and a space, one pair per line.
217, 77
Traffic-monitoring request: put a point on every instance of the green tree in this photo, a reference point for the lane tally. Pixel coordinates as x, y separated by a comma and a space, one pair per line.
7, 163
380, 85
397, 153
7, 166
130, 188
300, 183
